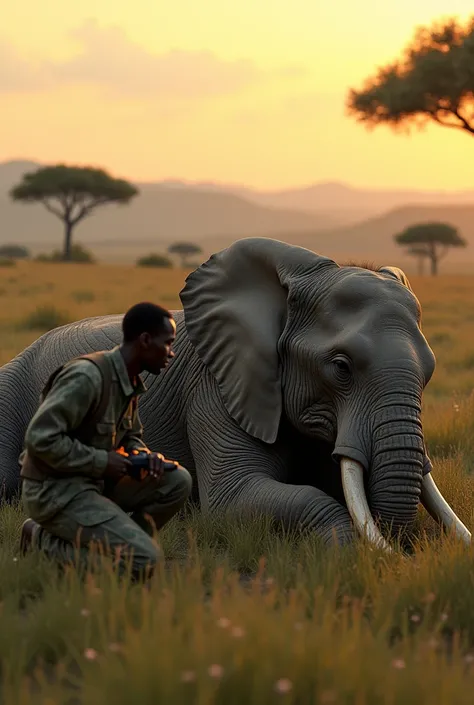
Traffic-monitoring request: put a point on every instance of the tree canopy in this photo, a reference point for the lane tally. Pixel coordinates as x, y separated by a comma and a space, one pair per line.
184, 250
433, 81
14, 251
431, 240
72, 193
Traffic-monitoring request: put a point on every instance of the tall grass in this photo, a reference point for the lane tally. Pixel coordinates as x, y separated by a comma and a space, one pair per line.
238, 613
305, 625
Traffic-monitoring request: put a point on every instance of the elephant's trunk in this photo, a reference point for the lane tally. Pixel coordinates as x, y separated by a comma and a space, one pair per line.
397, 459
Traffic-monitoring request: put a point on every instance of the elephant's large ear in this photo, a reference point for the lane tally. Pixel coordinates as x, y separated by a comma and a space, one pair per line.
235, 309
397, 273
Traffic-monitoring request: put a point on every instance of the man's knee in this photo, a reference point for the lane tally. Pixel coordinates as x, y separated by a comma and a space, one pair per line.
146, 554
183, 484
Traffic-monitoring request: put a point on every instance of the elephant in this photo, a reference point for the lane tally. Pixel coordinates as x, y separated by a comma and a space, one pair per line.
295, 391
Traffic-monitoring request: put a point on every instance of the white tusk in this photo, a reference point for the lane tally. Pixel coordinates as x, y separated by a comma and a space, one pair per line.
434, 503
354, 494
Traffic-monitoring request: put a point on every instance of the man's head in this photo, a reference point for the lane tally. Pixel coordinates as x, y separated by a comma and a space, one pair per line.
149, 332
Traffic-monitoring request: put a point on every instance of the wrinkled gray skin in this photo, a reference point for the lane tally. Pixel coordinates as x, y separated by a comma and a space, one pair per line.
284, 362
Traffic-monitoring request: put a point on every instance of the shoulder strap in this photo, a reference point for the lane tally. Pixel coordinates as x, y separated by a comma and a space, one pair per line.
93, 418
104, 366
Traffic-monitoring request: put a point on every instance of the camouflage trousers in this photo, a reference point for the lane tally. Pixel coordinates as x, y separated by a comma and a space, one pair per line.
74, 513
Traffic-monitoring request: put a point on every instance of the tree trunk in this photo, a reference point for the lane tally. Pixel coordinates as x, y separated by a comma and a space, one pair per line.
67, 240
434, 257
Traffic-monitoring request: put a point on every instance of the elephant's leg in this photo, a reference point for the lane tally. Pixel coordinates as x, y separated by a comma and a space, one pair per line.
239, 473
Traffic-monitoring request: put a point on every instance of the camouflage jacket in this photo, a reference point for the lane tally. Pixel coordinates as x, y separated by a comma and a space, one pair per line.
74, 391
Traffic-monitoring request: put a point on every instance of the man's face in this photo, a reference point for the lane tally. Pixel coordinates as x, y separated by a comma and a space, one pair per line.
156, 350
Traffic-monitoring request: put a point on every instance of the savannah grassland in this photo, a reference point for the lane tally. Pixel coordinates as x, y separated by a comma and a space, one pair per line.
239, 614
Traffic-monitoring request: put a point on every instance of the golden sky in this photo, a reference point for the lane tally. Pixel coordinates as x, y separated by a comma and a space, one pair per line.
237, 91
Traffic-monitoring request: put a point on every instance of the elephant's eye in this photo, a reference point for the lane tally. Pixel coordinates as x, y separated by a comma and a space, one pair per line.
342, 366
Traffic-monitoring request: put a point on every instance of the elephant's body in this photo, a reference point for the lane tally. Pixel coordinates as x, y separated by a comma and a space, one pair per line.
285, 365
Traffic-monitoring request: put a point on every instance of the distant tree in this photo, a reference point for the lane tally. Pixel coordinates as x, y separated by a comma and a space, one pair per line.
78, 254
435, 239
433, 81
184, 250
154, 260
72, 193
14, 251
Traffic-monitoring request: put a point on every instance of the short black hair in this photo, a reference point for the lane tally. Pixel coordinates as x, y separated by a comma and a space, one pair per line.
144, 317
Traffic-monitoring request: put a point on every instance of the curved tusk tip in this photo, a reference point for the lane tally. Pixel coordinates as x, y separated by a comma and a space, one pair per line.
352, 474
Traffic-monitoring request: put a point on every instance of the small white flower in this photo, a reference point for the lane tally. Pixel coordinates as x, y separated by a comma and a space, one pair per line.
398, 663
223, 622
238, 632
284, 685
215, 671
90, 654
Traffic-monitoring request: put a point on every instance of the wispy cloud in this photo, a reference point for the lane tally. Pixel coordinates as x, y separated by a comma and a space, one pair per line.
108, 59
17, 73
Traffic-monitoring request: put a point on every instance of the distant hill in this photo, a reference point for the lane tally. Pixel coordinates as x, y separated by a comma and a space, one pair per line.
339, 220
337, 197
11, 172
373, 238
160, 213
340, 202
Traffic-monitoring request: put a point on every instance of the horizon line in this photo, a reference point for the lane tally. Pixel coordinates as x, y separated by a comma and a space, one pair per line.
245, 186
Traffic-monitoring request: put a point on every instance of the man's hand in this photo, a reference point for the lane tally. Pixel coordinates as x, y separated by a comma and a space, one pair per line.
117, 466
156, 464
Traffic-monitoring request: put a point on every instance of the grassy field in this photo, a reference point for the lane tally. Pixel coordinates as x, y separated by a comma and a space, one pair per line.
238, 613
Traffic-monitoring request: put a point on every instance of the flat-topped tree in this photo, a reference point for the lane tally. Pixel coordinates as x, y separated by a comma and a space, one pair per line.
184, 250
432, 239
72, 193
432, 82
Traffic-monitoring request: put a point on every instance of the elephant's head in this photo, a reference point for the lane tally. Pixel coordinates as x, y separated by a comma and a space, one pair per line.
337, 350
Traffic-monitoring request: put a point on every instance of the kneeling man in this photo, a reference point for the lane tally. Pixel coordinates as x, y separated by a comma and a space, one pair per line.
75, 485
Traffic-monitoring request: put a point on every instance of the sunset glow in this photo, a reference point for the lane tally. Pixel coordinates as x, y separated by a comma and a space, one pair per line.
239, 92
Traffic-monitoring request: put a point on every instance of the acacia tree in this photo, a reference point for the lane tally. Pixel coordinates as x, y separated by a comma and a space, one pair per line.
72, 193
184, 250
435, 239
433, 81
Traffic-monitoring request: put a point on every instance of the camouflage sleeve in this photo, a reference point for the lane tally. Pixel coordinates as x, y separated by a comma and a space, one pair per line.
71, 396
133, 439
